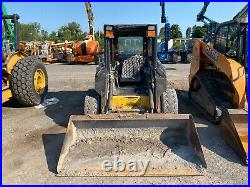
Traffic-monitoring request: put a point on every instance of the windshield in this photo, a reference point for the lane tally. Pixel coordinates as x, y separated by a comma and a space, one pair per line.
130, 45
232, 41
226, 40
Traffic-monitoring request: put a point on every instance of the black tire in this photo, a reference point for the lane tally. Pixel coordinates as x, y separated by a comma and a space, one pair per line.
97, 60
175, 59
131, 68
22, 81
92, 103
169, 102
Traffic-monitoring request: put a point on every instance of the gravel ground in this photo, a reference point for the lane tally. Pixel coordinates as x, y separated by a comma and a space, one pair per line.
32, 138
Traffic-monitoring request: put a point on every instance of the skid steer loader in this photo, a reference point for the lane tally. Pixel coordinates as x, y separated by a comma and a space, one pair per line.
218, 82
24, 78
131, 116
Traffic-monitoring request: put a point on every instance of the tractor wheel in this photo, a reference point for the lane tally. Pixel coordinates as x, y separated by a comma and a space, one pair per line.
99, 59
169, 102
29, 81
131, 68
92, 103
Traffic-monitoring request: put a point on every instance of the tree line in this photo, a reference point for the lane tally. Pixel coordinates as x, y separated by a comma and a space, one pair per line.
72, 32
194, 32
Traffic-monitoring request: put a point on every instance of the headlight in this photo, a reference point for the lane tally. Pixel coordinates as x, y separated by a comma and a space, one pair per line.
151, 28
109, 28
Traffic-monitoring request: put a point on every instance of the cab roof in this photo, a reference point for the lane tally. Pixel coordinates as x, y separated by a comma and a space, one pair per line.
131, 29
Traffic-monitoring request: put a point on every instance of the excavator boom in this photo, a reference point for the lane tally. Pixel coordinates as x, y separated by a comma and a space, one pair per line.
90, 19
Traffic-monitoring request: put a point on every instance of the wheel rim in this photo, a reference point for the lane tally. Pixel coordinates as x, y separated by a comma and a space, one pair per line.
39, 80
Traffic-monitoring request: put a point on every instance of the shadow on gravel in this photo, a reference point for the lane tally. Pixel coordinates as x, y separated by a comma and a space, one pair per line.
52, 148
209, 134
77, 63
211, 139
70, 103
179, 143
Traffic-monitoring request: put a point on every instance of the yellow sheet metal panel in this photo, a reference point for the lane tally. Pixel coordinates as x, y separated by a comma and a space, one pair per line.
130, 102
234, 130
244, 141
232, 69
6, 95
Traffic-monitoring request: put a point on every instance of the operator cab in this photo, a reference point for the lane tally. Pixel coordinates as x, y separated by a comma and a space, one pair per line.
130, 54
231, 40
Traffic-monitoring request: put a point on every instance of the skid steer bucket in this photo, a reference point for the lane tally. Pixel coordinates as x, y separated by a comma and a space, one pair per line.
234, 130
131, 145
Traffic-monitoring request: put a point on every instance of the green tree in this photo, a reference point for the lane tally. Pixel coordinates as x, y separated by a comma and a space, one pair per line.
162, 33
30, 31
44, 35
99, 36
83, 35
200, 31
175, 31
53, 36
71, 31
176, 45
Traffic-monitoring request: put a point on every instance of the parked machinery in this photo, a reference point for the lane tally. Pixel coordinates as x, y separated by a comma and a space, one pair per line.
24, 78
88, 49
218, 83
163, 54
132, 105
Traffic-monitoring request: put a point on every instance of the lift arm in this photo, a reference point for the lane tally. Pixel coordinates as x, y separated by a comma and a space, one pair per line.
90, 19
200, 16
207, 21
167, 26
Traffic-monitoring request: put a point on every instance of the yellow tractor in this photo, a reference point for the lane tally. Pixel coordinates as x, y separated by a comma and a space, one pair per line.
24, 78
218, 82
131, 115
